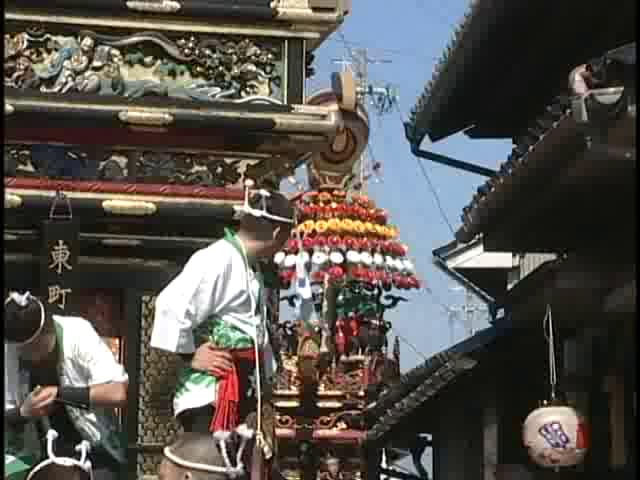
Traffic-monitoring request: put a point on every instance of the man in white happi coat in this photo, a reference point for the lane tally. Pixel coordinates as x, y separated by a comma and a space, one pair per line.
213, 315
74, 380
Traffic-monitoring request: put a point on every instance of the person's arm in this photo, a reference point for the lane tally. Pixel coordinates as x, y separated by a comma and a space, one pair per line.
190, 299
107, 380
109, 394
12, 415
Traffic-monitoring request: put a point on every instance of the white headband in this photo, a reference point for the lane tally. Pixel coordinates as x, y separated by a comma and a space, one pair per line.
259, 213
23, 301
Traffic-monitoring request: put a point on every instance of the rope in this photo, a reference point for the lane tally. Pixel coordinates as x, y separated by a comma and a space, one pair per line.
202, 467
83, 463
221, 438
550, 337
259, 437
255, 305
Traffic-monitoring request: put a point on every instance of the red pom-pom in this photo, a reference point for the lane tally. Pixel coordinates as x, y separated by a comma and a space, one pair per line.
292, 246
350, 243
334, 241
336, 272
318, 276
308, 243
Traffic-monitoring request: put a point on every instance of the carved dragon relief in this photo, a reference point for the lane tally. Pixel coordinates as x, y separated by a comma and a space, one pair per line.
153, 167
204, 68
343, 420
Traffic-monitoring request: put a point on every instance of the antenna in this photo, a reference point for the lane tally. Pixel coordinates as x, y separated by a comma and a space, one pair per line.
383, 99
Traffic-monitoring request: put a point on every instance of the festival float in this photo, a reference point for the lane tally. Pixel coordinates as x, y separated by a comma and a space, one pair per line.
342, 264
131, 130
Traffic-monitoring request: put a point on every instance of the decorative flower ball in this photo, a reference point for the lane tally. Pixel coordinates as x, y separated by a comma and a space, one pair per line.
343, 238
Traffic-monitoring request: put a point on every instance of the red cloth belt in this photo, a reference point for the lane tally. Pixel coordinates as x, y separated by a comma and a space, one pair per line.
226, 416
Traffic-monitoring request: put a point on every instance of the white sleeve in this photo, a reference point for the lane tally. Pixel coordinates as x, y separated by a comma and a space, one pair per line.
96, 358
11, 377
189, 299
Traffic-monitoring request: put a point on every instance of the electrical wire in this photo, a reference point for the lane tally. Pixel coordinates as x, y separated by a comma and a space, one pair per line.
386, 51
345, 44
434, 192
435, 195
447, 310
409, 344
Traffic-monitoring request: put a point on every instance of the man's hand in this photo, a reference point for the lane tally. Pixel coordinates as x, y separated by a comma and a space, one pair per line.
39, 403
212, 360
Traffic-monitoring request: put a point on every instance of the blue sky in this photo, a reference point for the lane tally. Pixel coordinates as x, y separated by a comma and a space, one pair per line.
413, 34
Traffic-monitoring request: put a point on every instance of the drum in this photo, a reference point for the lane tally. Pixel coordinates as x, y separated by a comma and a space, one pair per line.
53, 471
62, 468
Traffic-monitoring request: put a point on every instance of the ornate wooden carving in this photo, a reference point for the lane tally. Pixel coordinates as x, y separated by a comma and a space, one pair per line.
336, 164
104, 170
158, 370
332, 419
200, 68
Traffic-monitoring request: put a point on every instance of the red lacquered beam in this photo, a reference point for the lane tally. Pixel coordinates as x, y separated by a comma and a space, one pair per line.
185, 191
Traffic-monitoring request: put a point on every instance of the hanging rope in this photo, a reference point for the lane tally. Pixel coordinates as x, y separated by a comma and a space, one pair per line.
550, 337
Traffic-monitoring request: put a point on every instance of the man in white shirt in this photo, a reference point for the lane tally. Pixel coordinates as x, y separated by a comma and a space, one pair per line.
73, 378
212, 314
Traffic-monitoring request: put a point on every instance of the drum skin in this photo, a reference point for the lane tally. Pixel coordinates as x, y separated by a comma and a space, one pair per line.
556, 436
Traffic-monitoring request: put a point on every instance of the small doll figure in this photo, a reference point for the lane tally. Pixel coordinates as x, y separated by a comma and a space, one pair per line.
334, 468
341, 337
354, 346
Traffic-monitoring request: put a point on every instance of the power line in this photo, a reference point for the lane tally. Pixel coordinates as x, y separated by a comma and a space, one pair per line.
435, 195
360, 60
409, 344
385, 51
381, 98
430, 184
469, 308
438, 301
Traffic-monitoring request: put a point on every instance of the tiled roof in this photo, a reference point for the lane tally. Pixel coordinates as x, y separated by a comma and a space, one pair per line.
477, 85
424, 381
419, 116
531, 161
551, 142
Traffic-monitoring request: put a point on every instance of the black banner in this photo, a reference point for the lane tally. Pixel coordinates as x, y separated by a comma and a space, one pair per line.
59, 260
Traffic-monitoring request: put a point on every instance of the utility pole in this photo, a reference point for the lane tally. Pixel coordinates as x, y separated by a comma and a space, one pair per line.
470, 308
382, 99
